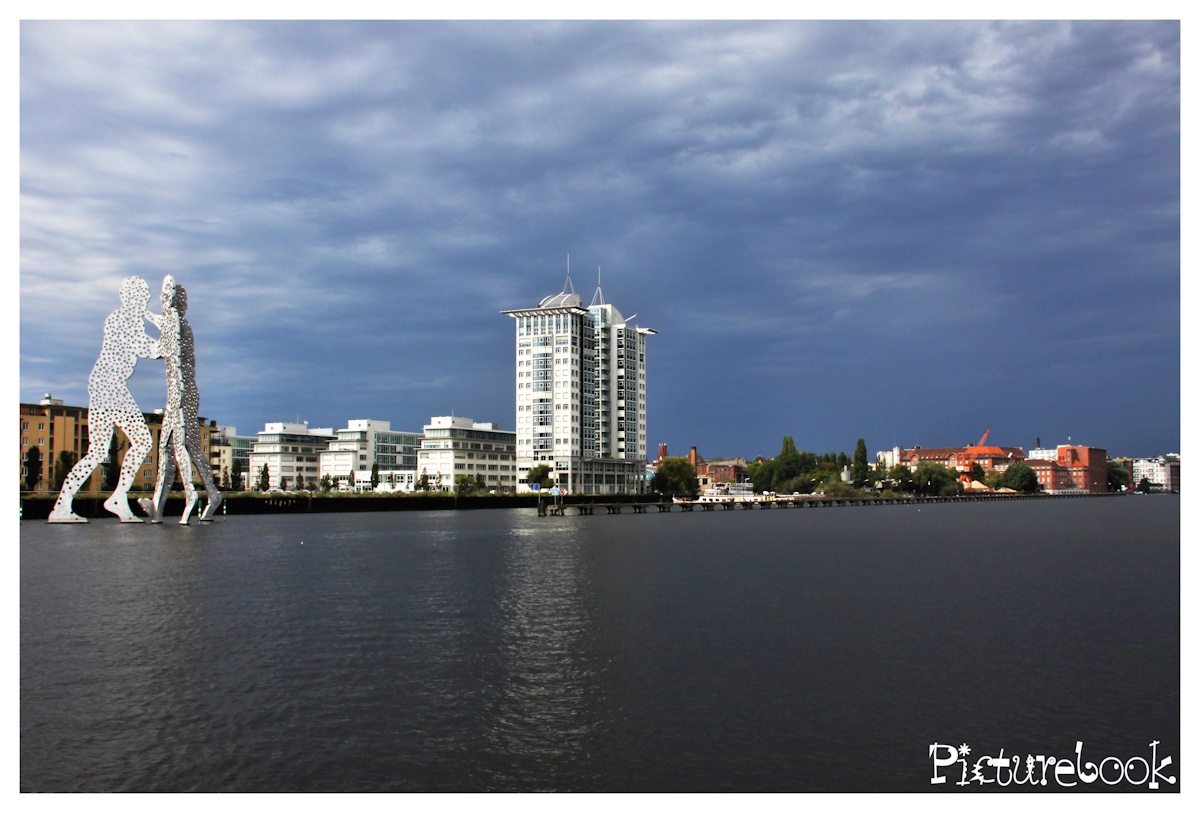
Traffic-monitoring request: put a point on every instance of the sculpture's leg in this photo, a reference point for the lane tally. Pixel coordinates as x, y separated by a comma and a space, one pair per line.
134, 426
153, 506
61, 514
147, 504
214, 502
189, 505
166, 475
206, 476
184, 462
97, 447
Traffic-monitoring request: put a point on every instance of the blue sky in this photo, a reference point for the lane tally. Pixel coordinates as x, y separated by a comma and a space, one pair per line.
908, 232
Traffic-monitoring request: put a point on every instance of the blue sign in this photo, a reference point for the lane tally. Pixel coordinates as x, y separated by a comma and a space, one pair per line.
534, 487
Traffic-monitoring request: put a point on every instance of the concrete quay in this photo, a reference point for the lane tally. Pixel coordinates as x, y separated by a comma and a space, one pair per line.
563, 508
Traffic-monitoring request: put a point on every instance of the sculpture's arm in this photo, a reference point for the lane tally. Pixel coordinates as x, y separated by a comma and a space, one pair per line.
148, 348
154, 319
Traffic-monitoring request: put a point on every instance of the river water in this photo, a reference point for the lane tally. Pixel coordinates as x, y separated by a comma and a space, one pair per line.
785, 650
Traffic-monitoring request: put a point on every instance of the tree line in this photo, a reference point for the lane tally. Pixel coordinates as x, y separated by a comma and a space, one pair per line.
799, 471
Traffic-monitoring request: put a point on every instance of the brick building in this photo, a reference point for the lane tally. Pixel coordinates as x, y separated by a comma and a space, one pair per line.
989, 458
1053, 477
1086, 466
54, 427
711, 472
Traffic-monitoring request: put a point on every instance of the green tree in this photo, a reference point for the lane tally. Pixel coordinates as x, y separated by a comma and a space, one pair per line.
423, 483
468, 483
326, 482
237, 479
677, 476
901, 477
299, 480
225, 478
62, 467
374, 475
788, 464
283, 484
859, 471
1020, 477
801, 484
264, 478
934, 479
838, 488
33, 468
1118, 476
540, 474
761, 474
1145, 486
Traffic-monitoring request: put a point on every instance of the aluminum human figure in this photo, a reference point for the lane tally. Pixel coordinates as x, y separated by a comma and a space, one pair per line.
191, 406
111, 405
172, 443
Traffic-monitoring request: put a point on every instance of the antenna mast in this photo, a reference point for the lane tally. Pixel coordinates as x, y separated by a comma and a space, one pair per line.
568, 287
598, 299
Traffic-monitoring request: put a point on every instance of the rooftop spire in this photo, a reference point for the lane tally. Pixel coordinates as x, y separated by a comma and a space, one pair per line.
598, 298
568, 288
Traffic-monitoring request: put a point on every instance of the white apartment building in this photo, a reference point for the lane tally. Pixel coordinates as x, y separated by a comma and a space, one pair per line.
1162, 471
459, 446
355, 451
581, 394
291, 453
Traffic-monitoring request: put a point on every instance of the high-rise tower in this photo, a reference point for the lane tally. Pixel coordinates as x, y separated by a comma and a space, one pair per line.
581, 393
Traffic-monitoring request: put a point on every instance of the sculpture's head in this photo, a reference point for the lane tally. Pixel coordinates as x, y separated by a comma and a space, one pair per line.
135, 292
167, 296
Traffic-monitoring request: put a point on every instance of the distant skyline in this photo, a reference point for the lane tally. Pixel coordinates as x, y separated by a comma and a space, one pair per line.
908, 232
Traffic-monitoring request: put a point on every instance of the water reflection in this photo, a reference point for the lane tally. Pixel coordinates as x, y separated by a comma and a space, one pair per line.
779, 650
539, 711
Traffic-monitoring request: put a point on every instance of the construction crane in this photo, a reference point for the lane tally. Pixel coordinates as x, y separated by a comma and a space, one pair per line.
974, 452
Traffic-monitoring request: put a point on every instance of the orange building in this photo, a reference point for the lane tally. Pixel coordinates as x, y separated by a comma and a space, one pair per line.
52, 428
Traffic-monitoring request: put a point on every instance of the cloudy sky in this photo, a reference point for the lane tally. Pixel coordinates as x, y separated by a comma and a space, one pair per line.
907, 232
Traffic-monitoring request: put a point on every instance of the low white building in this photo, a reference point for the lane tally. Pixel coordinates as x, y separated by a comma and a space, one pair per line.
291, 454
1042, 454
1161, 471
459, 446
361, 446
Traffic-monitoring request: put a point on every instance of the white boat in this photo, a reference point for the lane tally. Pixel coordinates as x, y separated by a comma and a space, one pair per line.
726, 493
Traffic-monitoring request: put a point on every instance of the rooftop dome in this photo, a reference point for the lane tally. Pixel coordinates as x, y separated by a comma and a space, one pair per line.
563, 300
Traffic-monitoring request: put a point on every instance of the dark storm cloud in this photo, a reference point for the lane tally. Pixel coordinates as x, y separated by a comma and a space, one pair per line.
907, 232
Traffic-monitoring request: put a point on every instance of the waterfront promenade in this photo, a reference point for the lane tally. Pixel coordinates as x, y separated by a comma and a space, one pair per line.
38, 508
